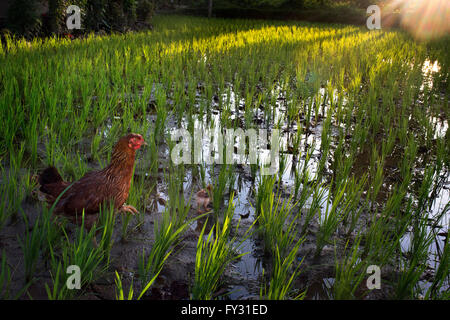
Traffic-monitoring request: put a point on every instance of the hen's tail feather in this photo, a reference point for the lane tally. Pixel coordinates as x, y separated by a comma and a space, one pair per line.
51, 183
49, 175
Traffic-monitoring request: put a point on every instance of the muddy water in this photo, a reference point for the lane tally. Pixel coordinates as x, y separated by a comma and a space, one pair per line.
245, 277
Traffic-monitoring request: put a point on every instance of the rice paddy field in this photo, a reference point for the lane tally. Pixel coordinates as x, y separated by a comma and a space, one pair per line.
362, 175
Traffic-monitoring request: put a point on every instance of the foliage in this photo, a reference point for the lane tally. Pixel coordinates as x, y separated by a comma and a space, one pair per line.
23, 17
145, 9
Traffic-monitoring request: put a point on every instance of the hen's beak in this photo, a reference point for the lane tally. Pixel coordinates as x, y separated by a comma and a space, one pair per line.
144, 143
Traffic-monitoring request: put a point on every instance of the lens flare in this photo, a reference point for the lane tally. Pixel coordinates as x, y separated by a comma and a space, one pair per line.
425, 19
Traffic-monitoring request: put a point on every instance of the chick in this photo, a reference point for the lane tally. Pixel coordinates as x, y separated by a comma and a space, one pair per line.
203, 198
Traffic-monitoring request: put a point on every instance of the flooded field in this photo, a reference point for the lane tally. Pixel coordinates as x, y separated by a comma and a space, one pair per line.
361, 176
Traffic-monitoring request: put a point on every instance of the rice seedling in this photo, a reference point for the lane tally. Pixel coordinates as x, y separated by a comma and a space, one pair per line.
278, 224
297, 181
161, 114
12, 188
119, 289
412, 269
5, 278
337, 209
381, 239
59, 290
355, 193
281, 281
214, 254
5, 281
420, 239
177, 205
282, 166
219, 188
350, 272
140, 191
318, 197
167, 236
305, 193
441, 274
80, 252
32, 245
106, 224
325, 144
265, 189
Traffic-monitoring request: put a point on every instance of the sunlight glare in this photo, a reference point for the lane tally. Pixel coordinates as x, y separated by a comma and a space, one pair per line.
425, 19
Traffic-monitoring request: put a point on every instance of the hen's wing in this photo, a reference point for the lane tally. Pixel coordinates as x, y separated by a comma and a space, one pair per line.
88, 193
53, 190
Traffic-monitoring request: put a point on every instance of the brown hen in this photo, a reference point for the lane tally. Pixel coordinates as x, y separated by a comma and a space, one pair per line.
96, 187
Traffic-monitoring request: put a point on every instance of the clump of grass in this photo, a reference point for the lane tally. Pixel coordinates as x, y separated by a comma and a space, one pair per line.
79, 252
5, 278
278, 224
219, 189
285, 271
337, 208
32, 245
106, 223
161, 114
318, 197
440, 276
120, 292
412, 268
350, 272
168, 230
40, 239
167, 235
265, 189
214, 254
12, 189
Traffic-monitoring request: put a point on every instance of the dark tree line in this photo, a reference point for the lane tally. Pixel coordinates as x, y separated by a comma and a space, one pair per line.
297, 4
341, 11
31, 18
